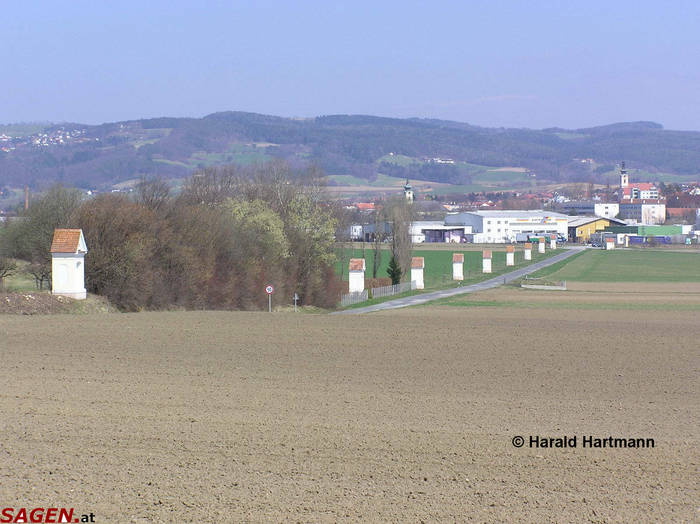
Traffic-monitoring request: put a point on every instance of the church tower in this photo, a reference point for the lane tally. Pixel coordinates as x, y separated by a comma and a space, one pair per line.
408, 191
624, 177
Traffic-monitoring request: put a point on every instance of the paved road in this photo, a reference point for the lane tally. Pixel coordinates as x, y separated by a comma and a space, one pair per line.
486, 284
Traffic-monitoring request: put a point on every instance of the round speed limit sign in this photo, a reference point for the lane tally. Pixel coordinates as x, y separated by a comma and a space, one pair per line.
269, 290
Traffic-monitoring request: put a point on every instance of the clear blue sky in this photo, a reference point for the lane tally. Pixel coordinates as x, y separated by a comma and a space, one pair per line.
495, 63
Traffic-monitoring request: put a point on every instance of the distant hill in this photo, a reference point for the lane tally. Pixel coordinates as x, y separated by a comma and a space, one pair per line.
101, 156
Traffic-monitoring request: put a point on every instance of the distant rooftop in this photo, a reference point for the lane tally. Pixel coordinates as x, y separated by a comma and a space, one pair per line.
518, 213
427, 223
580, 221
512, 213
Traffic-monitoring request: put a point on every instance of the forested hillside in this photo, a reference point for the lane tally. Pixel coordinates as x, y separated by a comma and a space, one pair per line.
97, 157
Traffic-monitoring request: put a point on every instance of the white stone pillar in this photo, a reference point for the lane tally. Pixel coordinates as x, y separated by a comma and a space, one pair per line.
553, 241
417, 265
510, 255
356, 271
609, 243
540, 245
486, 261
527, 253
457, 266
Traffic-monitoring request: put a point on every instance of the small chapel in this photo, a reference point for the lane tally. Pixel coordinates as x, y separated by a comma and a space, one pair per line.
68, 251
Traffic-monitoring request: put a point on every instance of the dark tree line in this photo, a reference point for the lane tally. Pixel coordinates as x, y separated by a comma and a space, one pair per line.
215, 245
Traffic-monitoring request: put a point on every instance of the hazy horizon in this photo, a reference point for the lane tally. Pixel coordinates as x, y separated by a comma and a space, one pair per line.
536, 65
47, 122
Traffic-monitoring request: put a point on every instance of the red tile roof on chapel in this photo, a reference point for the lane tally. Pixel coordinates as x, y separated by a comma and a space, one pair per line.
65, 241
357, 264
417, 263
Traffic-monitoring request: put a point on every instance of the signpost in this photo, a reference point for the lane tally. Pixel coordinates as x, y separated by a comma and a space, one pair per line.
269, 290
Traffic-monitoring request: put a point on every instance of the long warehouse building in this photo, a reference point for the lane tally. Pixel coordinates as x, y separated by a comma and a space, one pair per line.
498, 226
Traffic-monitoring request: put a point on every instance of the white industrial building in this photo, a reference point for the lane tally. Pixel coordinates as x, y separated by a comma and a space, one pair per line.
481, 227
505, 226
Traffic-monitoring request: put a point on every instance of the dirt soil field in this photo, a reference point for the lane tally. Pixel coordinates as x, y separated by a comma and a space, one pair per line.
43, 303
400, 416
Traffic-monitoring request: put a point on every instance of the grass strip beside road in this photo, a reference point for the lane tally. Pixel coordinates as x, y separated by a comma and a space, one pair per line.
437, 283
372, 301
489, 281
466, 301
550, 270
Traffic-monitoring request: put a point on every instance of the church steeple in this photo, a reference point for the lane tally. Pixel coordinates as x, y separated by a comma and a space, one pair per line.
624, 177
408, 191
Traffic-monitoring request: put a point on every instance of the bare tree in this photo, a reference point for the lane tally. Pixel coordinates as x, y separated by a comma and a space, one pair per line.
7, 268
30, 238
379, 237
211, 185
400, 213
41, 271
152, 193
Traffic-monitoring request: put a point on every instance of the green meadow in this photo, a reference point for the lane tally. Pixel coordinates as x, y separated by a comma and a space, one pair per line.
623, 265
20, 281
438, 263
240, 154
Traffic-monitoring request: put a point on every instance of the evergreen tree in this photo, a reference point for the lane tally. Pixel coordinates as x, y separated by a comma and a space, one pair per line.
394, 271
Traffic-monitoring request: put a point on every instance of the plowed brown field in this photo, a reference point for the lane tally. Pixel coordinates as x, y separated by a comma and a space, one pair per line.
399, 416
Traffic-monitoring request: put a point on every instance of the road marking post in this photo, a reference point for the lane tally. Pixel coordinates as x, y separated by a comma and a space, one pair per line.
269, 289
